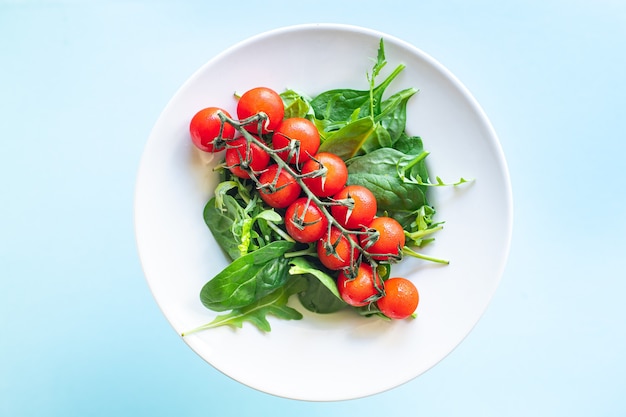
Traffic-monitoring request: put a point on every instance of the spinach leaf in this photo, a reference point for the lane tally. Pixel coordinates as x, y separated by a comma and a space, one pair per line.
409, 145
367, 134
318, 299
378, 171
221, 223
348, 141
321, 294
248, 278
379, 138
274, 303
393, 113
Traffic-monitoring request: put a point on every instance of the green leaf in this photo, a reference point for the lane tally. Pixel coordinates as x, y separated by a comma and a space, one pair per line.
409, 145
318, 299
347, 141
274, 303
321, 294
378, 172
221, 222
248, 278
301, 266
270, 216
296, 104
338, 105
381, 61
379, 138
393, 113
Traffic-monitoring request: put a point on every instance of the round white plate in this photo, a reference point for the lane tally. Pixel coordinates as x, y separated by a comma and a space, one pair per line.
340, 356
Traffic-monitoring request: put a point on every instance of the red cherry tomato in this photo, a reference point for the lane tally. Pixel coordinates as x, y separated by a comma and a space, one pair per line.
241, 159
387, 240
361, 210
261, 99
304, 221
205, 127
362, 289
278, 188
300, 131
400, 300
332, 174
335, 251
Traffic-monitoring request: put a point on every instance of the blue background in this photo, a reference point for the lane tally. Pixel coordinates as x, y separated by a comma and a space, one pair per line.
82, 83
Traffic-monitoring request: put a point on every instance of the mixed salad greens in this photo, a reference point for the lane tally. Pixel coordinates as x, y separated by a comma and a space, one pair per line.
270, 262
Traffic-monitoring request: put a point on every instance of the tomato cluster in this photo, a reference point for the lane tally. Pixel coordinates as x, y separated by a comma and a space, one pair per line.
281, 155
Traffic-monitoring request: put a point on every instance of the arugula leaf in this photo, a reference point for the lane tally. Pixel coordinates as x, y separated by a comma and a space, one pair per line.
274, 303
240, 222
296, 104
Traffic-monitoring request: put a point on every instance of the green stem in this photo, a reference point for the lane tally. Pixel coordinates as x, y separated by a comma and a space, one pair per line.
420, 157
411, 252
308, 251
280, 231
421, 233
383, 85
207, 326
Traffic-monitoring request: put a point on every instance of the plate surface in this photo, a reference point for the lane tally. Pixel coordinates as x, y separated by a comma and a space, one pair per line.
328, 357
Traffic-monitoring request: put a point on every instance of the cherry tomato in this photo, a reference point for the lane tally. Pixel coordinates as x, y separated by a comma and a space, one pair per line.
205, 128
362, 207
400, 300
304, 221
241, 159
305, 135
332, 174
261, 99
387, 240
361, 290
335, 251
278, 188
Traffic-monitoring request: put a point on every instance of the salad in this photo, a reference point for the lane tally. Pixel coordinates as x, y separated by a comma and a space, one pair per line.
318, 198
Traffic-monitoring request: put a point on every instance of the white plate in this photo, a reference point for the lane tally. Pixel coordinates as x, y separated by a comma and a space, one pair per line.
340, 356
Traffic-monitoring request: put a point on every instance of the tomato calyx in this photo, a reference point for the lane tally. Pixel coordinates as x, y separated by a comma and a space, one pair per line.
348, 203
370, 238
339, 250
325, 174
245, 158
292, 150
261, 120
299, 220
222, 137
320, 171
208, 129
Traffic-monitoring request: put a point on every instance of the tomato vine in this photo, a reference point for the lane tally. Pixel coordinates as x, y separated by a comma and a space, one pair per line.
275, 254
